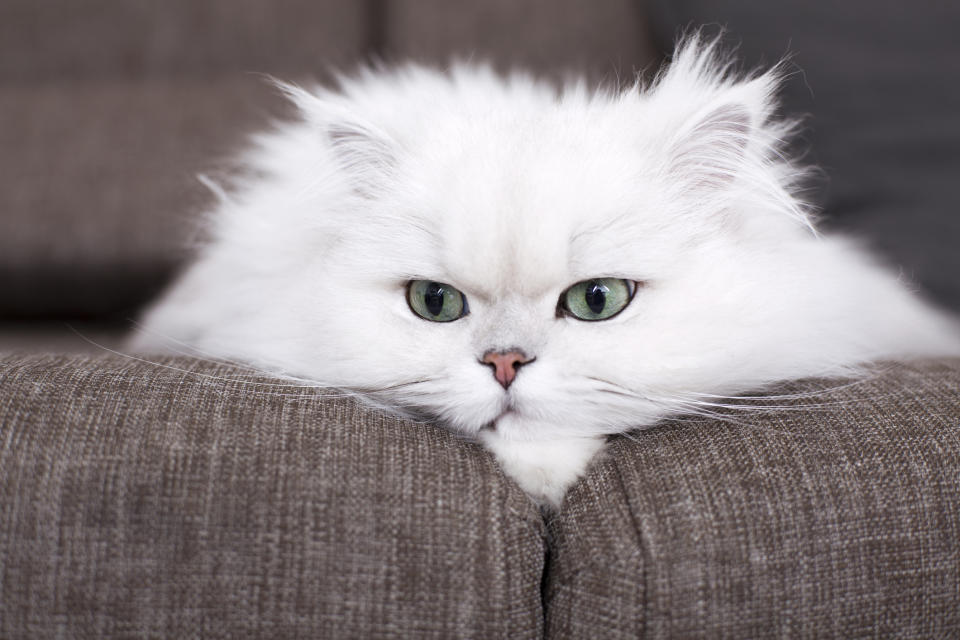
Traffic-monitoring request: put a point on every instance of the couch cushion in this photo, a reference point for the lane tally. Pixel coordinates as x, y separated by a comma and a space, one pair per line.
878, 80
835, 516
188, 499
109, 112
100, 197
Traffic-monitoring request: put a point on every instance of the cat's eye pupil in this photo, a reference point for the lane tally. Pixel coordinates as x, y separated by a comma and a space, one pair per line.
595, 296
436, 301
433, 298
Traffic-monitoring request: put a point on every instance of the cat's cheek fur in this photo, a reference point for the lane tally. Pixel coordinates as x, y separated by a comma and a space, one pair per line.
545, 469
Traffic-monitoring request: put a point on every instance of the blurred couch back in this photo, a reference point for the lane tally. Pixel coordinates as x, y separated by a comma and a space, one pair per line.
110, 109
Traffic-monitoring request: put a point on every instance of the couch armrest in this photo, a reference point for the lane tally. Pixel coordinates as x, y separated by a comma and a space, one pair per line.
836, 515
192, 499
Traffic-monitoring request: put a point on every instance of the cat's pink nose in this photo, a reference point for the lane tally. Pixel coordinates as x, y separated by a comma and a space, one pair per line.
505, 364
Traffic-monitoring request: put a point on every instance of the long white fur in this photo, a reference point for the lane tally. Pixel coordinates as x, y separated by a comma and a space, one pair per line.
512, 191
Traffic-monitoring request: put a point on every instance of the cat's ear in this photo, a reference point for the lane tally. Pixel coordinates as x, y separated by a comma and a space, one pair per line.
718, 124
708, 153
365, 152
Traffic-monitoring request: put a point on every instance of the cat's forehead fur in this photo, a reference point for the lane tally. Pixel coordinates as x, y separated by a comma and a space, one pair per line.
505, 185
523, 202
516, 203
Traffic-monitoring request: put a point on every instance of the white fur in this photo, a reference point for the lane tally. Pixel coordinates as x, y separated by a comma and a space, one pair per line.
513, 191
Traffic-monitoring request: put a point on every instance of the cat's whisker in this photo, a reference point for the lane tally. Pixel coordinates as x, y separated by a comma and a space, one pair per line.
629, 436
178, 347
617, 392
864, 377
727, 408
610, 383
198, 374
702, 414
399, 385
755, 407
206, 356
750, 403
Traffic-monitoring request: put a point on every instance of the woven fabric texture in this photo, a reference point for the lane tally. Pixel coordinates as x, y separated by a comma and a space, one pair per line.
836, 516
194, 500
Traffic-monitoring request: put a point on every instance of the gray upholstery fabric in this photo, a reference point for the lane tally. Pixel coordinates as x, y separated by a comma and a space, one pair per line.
837, 516
193, 500
138, 499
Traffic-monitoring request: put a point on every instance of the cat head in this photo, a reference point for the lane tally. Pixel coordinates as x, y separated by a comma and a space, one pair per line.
493, 251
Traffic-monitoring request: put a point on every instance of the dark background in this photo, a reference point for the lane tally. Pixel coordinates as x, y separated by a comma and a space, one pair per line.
108, 110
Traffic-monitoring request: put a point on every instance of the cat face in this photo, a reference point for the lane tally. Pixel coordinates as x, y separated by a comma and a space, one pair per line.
517, 223
449, 243
510, 235
494, 254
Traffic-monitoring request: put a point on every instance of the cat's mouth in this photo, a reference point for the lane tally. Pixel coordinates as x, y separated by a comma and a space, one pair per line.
509, 412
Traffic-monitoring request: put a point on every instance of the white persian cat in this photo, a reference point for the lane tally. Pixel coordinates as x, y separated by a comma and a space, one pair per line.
536, 268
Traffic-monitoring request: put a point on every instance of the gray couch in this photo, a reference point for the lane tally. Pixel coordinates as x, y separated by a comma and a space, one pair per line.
185, 498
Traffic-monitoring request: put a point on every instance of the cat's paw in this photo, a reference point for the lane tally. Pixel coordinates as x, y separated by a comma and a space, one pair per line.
545, 469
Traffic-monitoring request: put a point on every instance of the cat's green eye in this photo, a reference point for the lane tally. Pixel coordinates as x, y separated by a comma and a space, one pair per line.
597, 299
436, 301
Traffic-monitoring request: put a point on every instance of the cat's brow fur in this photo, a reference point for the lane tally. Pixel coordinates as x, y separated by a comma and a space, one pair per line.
512, 190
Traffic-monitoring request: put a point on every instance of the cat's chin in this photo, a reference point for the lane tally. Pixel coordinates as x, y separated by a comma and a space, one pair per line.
544, 469
512, 425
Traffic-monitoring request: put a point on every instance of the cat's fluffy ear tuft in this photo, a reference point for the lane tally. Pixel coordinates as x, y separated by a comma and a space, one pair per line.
365, 152
722, 138
720, 122
710, 152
